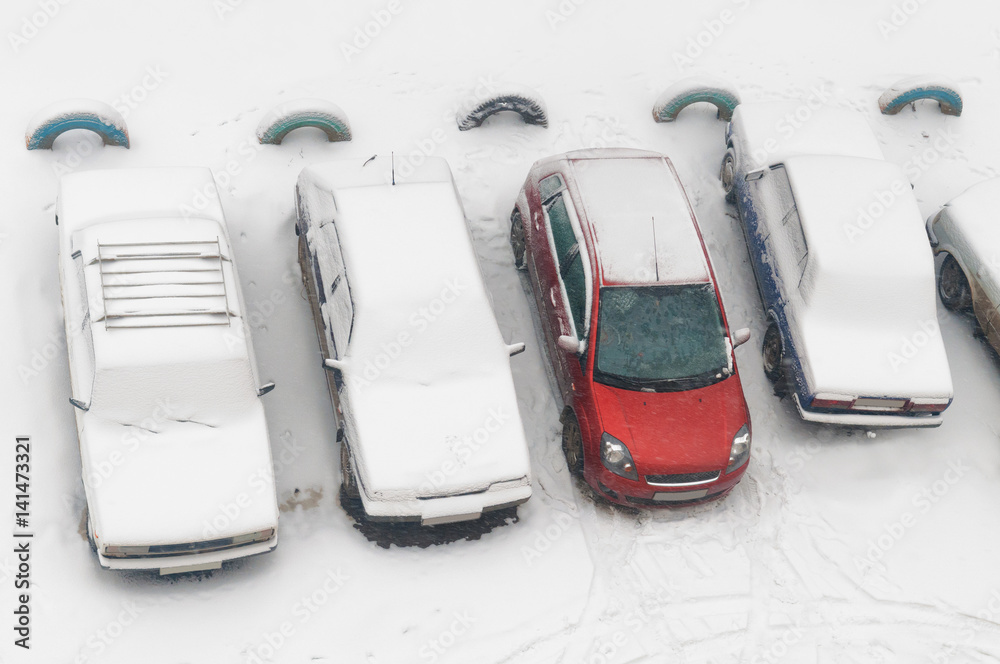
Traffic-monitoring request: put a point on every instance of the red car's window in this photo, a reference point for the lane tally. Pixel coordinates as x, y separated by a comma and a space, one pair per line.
660, 337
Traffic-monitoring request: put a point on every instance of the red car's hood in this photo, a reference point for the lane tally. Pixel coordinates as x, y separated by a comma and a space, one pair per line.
675, 432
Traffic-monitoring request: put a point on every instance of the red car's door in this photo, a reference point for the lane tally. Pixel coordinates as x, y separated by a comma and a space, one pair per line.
564, 283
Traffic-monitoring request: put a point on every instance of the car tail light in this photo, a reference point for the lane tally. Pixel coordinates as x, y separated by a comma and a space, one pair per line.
832, 401
928, 405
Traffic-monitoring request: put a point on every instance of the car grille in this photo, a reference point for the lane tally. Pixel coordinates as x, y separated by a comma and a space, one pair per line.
683, 478
667, 503
206, 546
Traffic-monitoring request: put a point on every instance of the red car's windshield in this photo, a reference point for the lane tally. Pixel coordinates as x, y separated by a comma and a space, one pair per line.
662, 338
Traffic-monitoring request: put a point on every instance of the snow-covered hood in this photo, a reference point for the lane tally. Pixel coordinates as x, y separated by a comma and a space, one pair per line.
890, 357
439, 438
168, 481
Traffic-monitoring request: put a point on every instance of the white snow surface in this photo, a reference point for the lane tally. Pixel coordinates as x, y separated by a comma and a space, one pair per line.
835, 547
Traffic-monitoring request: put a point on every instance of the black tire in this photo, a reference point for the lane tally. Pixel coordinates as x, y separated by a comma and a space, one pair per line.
517, 239
953, 286
773, 354
572, 444
727, 175
348, 480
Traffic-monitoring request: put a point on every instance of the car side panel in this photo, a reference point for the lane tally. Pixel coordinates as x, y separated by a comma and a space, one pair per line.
756, 233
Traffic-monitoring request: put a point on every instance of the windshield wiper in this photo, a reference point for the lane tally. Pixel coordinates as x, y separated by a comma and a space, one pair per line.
661, 384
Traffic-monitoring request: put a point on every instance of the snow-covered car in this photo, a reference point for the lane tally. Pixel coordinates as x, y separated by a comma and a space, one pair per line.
965, 230
418, 371
654, 412
173, 440
842, 265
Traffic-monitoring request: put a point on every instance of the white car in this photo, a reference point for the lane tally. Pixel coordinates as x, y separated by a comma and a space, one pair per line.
842, 264
965, 230
419, 372
174, 444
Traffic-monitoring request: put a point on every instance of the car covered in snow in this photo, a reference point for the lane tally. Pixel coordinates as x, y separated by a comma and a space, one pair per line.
966, 232
173, 438
842, 265
634, 326
418, 371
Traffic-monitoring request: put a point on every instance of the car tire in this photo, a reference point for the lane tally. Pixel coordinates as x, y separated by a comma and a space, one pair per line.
953, 286
517, 243
773, 353
348, 480
572, 444
727, 175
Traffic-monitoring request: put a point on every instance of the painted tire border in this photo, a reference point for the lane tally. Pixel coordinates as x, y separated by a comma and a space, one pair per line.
58, 118
289, 116
910, 90
721, 94
521, 100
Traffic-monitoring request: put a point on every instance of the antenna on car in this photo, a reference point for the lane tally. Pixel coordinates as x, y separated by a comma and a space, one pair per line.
392, 159
656, 263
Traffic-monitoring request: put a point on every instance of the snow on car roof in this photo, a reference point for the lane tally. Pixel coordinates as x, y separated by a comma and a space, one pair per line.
778, 130
974, 213
161, 286
161, 291
645, 230
860, 220
411, 266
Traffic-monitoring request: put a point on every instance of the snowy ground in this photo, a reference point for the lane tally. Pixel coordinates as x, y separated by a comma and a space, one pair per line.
836, 547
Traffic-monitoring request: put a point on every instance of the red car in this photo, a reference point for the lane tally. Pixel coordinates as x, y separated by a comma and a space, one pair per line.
634, 326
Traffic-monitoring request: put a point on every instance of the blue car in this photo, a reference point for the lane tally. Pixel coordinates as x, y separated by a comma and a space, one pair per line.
842, 264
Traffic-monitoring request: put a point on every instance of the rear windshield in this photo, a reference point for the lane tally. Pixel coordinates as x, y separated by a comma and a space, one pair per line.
662, 338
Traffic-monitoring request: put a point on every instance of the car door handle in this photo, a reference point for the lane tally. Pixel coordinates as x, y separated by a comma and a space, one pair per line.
552, 296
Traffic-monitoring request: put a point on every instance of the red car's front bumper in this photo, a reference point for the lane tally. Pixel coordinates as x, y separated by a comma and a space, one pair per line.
639, 493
